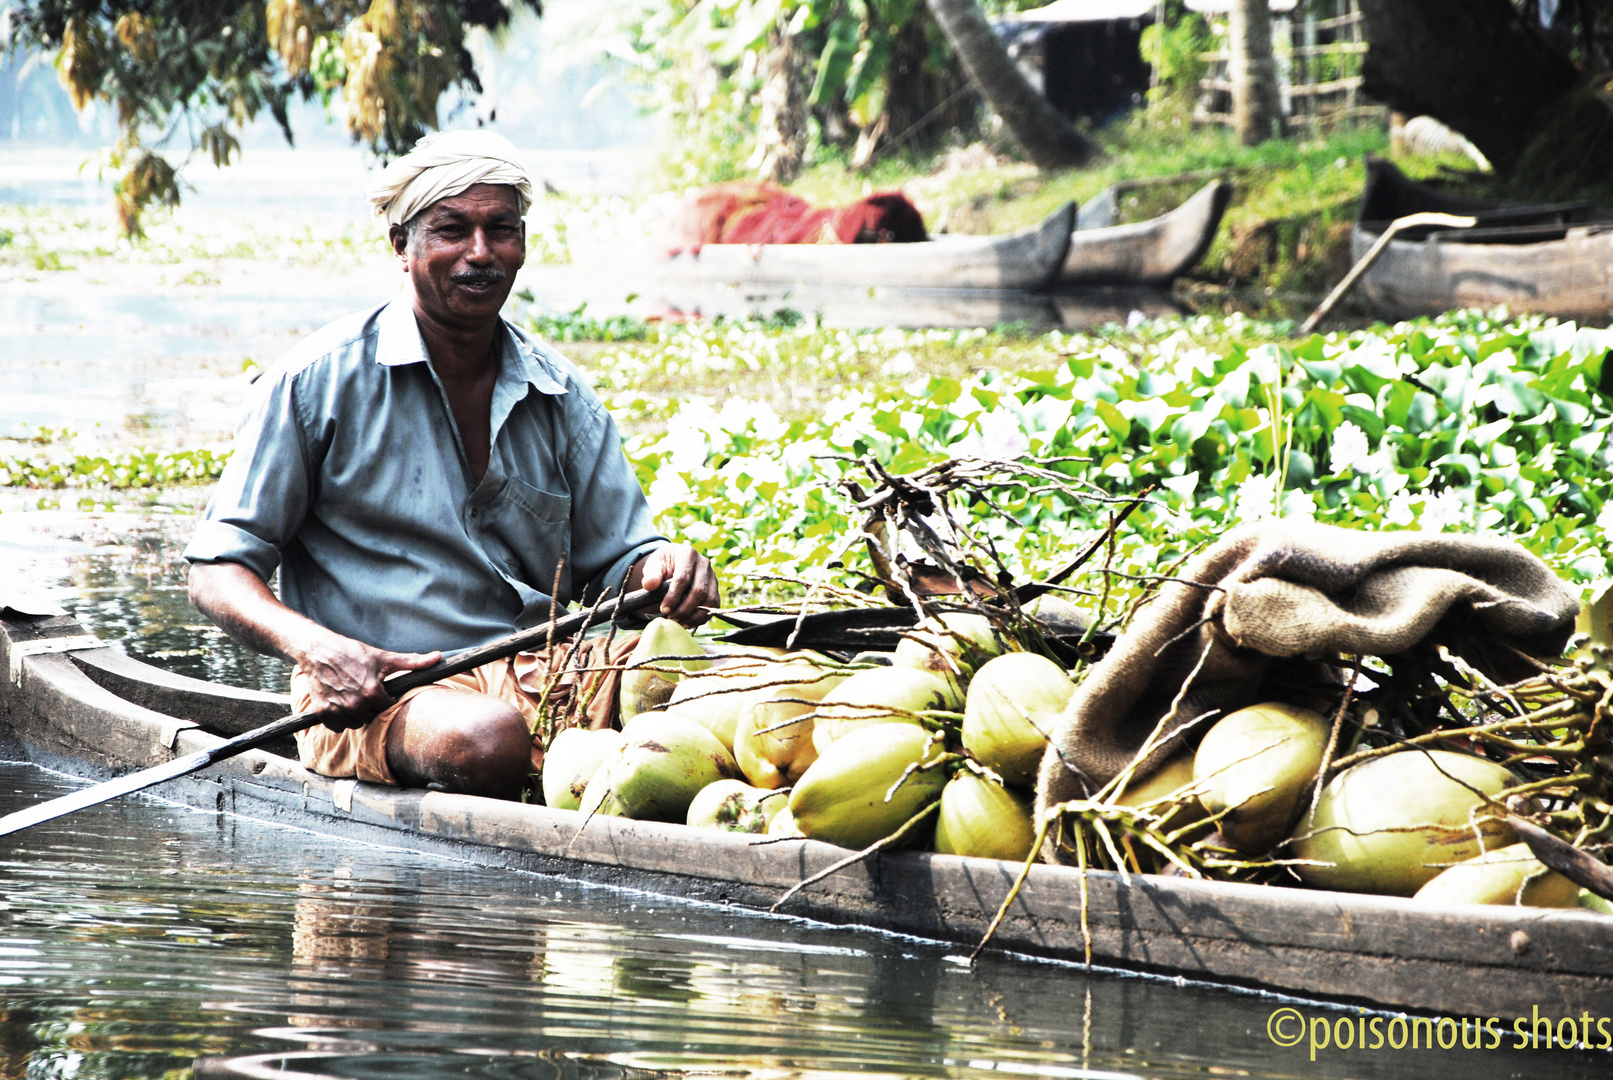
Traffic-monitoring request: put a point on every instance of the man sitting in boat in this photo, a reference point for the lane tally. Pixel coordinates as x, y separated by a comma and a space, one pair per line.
424, 476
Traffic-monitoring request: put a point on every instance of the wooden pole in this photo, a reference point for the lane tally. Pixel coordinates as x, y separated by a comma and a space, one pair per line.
1378, 247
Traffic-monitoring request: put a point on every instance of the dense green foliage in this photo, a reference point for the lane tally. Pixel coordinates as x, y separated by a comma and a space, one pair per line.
204, 68
863, 70
742, 432
119, 470
1465, 423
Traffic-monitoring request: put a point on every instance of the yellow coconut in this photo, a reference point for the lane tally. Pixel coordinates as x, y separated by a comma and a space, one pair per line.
1258, 762
783, 823
664, 653
1174, 778
735, 806
713, 698
1013, 706
980, 817
1391, 824
876, 696
1509, 875
842, 797
570, 762
658, 771
952, 647
773, 737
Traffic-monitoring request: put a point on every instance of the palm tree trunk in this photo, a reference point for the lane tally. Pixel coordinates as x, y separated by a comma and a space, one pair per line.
781, 132
1256, 108
1045, 136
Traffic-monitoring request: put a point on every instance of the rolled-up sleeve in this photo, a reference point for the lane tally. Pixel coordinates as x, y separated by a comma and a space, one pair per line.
611, 524
263, 494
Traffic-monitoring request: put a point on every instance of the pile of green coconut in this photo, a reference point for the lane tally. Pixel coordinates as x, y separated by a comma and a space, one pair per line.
938, 743
950, 726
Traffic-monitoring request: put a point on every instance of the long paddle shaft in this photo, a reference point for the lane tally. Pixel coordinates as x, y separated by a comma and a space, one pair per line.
395, 684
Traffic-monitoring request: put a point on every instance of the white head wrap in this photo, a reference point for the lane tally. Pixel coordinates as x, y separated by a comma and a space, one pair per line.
442, 165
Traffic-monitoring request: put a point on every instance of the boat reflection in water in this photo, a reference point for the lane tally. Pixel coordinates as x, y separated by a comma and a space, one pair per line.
142, 939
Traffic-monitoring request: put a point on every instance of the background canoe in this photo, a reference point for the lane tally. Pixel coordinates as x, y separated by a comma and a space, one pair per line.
1152, 252
56, 708
1549, 259
1027, 260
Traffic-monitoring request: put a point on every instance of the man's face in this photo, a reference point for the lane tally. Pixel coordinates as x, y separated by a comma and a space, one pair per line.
464, 255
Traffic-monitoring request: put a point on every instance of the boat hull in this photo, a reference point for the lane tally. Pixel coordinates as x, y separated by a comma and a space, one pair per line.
1027, 260
1154, 252
1546, 259
1463, 961
1571, 278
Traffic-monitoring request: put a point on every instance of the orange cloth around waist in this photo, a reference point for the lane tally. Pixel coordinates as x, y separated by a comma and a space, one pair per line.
582, 683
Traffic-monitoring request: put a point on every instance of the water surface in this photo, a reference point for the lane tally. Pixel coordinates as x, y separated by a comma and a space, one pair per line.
142, 939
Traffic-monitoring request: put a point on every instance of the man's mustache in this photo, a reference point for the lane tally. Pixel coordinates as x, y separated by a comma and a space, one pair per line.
467, 277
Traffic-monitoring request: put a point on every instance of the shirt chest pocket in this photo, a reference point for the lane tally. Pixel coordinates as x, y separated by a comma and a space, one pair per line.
527, 533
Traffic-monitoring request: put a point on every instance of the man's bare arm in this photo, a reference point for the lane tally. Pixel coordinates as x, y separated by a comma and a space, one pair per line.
346, 674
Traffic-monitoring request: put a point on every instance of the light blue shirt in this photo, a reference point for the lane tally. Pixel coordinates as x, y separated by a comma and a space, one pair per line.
350, 477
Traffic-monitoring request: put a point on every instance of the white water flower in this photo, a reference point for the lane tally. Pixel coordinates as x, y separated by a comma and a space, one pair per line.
1399, 512
669, 490
900, 364
1257, 497
1350, 450
1442, 511
1002, 438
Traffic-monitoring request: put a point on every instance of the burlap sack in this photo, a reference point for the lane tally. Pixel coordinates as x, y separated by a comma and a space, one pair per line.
1270, 599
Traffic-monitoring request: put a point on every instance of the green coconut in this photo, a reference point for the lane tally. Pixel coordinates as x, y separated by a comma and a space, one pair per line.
735, 806
570, 762
1256, 764
664, 653
953, 646
842, 797
661, 766
783, 823
1508, 875
1171, 782
773, 736
876, 696
982, 818
713, 698
1014, 704
1058, 615
1390, 824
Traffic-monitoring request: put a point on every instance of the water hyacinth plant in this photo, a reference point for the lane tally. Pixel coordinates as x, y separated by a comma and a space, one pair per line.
1469, 422
1465, 423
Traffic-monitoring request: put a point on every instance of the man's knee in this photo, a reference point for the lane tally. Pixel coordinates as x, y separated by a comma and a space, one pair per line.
462, 742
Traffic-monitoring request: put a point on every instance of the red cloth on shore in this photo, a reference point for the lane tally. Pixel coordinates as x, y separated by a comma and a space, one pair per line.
762, 212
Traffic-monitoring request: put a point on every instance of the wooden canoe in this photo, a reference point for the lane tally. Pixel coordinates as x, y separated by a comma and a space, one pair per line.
1027, 260
1552, 259
89, 710
1153, 252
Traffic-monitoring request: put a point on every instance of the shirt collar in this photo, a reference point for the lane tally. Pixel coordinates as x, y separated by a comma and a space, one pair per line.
399, 342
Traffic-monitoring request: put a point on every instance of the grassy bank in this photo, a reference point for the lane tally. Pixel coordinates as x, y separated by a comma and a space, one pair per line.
1286, 229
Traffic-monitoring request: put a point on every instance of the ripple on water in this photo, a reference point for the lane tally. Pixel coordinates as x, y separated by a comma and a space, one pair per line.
117, 566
